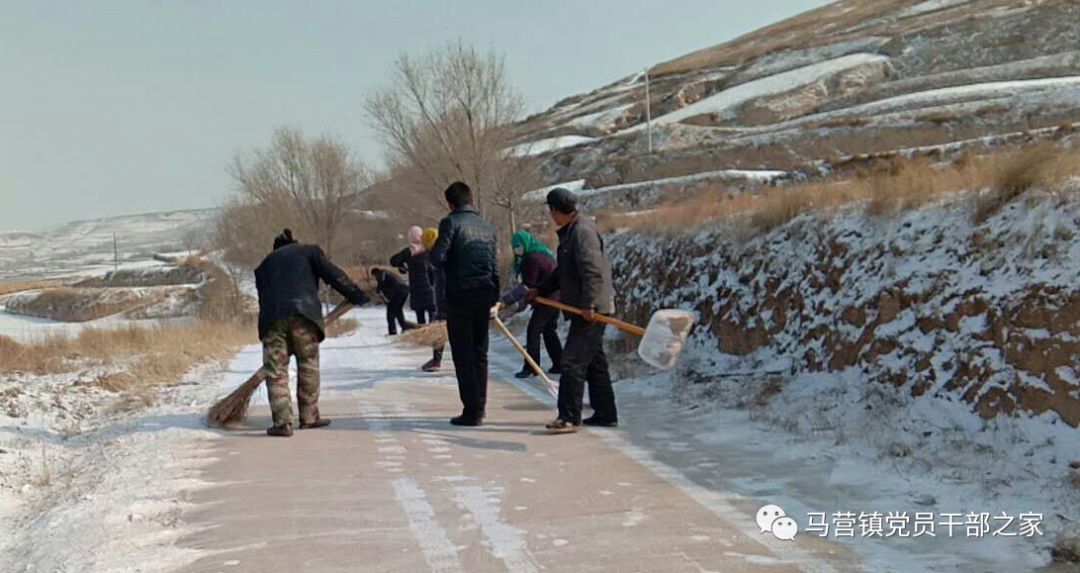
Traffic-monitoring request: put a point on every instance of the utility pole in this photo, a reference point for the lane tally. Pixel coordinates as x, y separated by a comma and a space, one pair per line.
648, 110
115, 252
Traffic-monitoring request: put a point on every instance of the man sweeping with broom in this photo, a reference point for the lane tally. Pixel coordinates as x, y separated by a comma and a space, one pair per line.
291, 323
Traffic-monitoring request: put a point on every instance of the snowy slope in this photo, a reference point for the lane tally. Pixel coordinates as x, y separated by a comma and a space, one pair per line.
86, 247
850, 78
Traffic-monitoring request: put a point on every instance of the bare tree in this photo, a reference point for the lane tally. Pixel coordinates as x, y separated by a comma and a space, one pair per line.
447, 116
305, 184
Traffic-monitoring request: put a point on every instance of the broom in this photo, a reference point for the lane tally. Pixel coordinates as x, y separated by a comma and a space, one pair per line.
428, 335
232, 409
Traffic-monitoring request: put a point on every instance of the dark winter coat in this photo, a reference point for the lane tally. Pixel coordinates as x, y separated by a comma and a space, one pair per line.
288, 285
535, 269
390, 286
438, 284
421, 291
466, 252
583, 276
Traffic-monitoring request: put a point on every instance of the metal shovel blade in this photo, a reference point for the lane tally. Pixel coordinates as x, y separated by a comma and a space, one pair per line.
664, 337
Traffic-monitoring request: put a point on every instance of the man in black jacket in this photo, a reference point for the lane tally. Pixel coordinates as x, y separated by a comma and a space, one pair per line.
583, 279
291, 322
465, 251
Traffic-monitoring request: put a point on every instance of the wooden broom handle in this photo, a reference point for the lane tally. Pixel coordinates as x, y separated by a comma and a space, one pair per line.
338, 311
624, 326
552, 389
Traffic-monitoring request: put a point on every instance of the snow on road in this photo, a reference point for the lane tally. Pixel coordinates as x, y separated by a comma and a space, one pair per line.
393, 487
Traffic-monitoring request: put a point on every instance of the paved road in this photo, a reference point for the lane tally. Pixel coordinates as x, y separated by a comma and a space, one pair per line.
391, 486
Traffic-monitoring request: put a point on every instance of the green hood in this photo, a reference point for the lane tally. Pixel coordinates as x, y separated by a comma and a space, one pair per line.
529, 244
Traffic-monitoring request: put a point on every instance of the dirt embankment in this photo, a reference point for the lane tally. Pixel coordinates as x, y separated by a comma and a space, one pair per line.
156, 292
924, 300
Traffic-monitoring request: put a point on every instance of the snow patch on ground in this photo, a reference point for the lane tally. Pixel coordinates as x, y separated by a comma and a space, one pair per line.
543, 146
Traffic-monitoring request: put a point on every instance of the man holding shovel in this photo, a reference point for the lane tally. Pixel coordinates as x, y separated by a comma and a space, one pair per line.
291, 323
465, 251
583, 279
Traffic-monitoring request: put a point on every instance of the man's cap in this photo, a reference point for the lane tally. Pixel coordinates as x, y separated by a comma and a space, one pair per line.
562, 200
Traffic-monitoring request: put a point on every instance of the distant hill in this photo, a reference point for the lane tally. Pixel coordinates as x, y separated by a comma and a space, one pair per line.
86, 247
852, 78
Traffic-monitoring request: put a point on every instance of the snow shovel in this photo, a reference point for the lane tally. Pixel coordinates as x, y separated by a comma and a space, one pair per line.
661, 342
551, 388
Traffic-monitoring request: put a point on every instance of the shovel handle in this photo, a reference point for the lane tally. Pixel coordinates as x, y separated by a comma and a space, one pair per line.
623, 326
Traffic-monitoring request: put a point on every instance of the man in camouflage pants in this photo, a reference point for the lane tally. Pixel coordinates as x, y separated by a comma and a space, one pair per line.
291, 323
296, 336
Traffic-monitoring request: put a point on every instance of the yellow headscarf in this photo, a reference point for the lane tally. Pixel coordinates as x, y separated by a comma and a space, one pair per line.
429, 237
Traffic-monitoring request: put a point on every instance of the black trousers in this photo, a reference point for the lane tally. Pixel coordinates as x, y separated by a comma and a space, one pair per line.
395, 312
467, 330
424, 317
543, 323
584, 361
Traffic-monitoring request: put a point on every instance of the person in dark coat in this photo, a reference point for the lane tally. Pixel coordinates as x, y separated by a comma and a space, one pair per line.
291, 323
533, 262
396, 292
583, 279
466, 252
413, 260
438, 287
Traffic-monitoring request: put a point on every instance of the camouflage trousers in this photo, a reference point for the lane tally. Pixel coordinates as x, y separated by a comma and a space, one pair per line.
295, 336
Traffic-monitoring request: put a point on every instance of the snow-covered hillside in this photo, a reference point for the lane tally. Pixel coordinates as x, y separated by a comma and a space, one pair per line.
937, 346
852, 78
86, 247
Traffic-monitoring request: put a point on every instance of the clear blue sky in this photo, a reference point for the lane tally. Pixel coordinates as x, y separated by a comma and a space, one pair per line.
111, 107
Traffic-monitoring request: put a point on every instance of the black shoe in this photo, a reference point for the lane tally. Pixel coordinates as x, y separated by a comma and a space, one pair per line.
525, 374
464, 420
318, 423
282, 431
554, 370
600, 422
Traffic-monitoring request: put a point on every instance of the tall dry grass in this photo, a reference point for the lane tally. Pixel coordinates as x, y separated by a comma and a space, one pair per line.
143, 356
12, 287
885, 187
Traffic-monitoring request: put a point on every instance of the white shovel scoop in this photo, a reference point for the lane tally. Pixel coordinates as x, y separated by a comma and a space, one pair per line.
661, 342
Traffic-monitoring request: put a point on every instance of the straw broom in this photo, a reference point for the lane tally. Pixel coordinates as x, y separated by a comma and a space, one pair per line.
428, 335
232, 409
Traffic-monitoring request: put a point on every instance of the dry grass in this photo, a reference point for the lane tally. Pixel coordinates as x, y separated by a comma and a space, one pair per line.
71, 304
886, 187
1037, 166
12, 287
135, 356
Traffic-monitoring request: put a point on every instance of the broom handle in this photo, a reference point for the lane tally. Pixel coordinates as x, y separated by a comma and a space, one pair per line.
532, 363
624, 326
338, 311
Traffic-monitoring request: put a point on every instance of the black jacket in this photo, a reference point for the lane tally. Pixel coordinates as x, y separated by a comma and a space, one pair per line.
288, 284
583, 277
391, 286
465, 251
421, 277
